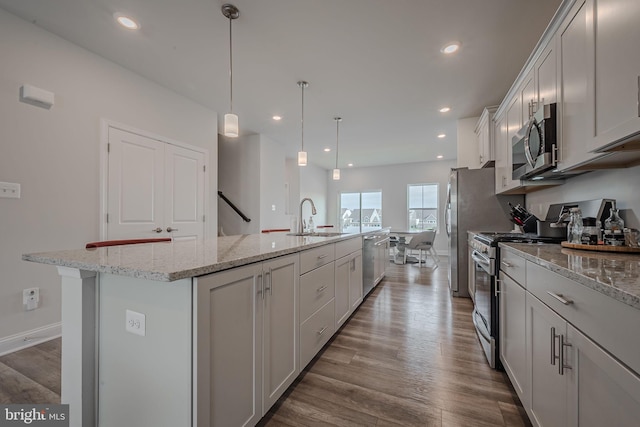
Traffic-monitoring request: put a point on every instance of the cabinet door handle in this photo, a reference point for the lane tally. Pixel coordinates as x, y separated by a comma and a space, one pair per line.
495, 290
321, 331
321, 289
261, 290
268, 287
638, 96
560, 298
506, 264
561, 364
553, 346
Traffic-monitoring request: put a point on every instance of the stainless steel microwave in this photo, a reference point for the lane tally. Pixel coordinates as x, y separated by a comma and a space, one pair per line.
534, 146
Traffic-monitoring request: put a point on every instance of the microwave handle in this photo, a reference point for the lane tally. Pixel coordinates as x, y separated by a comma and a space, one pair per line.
527, 144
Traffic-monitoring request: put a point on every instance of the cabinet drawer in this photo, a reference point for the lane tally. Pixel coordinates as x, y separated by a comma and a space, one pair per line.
314, 258
317, 287
513, 265
347, 246
315, 332
603, 319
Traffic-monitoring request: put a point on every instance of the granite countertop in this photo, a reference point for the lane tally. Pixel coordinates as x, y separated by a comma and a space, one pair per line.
171, 261
614, 274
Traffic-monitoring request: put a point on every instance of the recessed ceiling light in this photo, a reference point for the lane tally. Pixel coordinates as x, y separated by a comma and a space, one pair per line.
445, 109
326, 150
440, 156
127, 22
450, 48
350, 164
442, 135
277, 118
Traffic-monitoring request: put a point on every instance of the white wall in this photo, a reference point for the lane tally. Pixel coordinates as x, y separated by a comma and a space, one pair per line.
54, 154
468, 150
273, 176
313, 184
618, 184
393, 181
239, 180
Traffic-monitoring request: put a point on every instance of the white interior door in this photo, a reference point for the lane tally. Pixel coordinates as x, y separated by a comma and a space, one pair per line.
135, 186
184, 196
154, 189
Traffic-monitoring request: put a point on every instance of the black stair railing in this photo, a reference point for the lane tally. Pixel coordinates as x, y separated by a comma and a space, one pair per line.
234, 207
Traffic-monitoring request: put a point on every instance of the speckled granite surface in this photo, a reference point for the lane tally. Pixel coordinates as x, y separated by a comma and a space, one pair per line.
613, 274
167, 262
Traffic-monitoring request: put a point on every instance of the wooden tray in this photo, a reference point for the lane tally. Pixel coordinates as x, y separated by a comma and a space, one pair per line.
601, 248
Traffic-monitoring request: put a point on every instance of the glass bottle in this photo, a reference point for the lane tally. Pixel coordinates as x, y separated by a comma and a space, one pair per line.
311, 225
575, 227
614, 222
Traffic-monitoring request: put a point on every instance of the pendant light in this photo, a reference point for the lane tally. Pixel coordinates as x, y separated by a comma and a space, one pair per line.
336, 171
230, 119
302, 155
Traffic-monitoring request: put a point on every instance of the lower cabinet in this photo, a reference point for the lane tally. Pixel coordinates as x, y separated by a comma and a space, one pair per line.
348, 277
245, 340
513, 341
574, 382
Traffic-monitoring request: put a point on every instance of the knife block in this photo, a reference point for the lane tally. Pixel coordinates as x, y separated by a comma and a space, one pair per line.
530, 224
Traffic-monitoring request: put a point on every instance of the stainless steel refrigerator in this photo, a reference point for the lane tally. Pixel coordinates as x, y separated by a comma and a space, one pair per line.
472, 205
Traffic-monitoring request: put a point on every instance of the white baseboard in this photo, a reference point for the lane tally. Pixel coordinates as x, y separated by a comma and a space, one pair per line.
29, 338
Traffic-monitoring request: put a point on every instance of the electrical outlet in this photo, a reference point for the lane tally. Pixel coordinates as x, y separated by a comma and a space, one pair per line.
9, 190
31, 298
136, 323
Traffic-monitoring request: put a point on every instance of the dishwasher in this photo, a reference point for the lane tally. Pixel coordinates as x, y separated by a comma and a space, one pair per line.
374, 258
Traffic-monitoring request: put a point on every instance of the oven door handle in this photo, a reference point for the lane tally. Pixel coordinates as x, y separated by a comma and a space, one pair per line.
480, 259
480, 328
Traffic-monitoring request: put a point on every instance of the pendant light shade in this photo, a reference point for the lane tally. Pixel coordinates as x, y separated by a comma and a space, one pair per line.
336, 171
302, 155
231, 125
230, 120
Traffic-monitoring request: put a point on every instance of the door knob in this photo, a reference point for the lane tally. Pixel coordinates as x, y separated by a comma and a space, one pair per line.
157, 230
169, 229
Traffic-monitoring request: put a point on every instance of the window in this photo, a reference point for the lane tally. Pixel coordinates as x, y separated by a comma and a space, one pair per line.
423, 206
360, 212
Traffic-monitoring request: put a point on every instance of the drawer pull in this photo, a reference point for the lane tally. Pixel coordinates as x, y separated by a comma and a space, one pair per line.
321, 289
321, 331
506, 264
322, 256
560, 298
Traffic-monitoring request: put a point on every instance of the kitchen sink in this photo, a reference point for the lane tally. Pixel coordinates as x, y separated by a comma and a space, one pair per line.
318, 234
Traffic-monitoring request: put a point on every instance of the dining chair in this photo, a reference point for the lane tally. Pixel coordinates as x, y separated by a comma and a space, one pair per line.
423, 242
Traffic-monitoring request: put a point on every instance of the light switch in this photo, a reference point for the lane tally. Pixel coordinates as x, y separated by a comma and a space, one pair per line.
9, 190
273, 208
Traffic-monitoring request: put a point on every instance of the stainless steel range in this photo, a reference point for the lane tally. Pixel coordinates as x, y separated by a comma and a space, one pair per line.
484, 262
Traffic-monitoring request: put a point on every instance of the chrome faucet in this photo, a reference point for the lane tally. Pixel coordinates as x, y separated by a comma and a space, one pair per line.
301, 226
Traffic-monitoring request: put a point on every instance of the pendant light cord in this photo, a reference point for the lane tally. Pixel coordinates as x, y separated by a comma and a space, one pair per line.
337, 138
302, 118
230, 65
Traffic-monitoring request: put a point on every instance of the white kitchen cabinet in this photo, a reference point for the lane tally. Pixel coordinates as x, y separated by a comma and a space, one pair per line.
512, 123
348, 277
513, 343
573, 108
485, 138
500, 147
545, 73
548, 400
246, 340
601, 391
613, 35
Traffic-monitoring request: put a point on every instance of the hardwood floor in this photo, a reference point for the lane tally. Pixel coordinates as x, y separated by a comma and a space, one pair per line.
408, 357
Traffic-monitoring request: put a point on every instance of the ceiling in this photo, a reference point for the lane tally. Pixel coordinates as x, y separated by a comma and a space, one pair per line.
375, 63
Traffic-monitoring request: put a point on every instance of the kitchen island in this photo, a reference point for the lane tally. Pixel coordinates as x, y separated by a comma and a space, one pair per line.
140, 322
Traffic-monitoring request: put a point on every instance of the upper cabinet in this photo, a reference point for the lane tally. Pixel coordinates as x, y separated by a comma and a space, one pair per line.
485, 137
613, 36
586, 63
